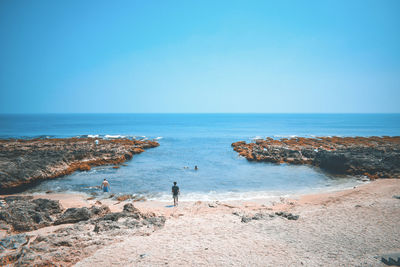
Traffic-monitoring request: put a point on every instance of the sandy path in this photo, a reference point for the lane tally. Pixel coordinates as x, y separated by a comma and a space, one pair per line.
346, 228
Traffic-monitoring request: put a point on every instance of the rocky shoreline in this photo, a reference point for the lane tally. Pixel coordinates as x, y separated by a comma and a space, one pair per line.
375, 157
73, 230
68, 234
24, 162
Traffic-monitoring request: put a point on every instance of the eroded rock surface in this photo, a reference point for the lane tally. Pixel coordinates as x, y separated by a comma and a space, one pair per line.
26, 161
375, 157
21, 214
85, 230
269, 216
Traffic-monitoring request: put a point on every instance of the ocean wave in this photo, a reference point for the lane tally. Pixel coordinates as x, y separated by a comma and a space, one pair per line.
88, 136
285, 136
254, 195
96, 136
39, 137
222, 196
108, 136
140, 137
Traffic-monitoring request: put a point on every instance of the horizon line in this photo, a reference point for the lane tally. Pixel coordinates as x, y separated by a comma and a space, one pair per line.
199, 113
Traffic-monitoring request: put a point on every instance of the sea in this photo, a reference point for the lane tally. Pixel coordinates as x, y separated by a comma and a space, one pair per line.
203, 140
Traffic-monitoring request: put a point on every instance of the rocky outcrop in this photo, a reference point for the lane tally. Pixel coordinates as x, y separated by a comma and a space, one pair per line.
23, 162
73, 215
22, 214
79, 232
269, 216
375, 157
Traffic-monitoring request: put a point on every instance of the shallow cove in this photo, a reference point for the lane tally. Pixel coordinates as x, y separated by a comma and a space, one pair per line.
203, 140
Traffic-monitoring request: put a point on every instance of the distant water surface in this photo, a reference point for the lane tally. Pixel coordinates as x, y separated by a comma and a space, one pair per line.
203, 140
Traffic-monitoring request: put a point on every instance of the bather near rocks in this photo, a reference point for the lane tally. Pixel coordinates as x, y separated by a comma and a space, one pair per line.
23, 162
375, 157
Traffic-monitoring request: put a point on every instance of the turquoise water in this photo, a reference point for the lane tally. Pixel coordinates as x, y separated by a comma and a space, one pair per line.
204, 140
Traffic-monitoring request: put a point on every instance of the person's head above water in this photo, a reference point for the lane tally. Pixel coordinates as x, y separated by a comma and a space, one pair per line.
174, 183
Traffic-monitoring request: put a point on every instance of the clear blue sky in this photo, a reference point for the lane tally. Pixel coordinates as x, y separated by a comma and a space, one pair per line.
199, 56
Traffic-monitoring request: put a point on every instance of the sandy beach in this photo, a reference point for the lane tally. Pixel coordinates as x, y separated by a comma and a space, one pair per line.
345, 228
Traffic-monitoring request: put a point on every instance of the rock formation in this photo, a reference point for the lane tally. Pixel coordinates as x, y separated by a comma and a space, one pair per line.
375, 157
23, 162
19, 214
74, 233
269, 216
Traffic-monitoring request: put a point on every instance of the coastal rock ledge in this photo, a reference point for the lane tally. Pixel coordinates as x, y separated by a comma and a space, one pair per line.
66, 235
23, 162
375, 157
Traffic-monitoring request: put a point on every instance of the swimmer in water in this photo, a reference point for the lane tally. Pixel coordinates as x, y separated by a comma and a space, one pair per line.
105, 186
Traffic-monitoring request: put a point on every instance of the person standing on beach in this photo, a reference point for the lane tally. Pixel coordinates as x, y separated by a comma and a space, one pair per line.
175, 193
105, 185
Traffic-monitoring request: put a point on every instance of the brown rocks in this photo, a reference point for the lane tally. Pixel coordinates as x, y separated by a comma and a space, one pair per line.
79, 232
84, 167
269, 216
137, 150
124, 197
23, 162
376, 157
73, 215
24, 214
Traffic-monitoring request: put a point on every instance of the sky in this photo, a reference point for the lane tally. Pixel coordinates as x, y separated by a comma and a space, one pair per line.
204, 56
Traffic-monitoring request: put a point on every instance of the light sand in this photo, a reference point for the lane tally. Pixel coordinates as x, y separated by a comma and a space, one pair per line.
346, 228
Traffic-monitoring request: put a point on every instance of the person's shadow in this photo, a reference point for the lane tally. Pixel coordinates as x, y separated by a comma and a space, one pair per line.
169, 206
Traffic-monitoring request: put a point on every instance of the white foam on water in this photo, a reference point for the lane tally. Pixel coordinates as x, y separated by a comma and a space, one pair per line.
252, 195
285, 136
220, 196
107, 136
139, 137
116, 136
